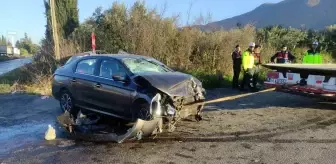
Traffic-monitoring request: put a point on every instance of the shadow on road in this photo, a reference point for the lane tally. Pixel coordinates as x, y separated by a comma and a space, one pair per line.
263, 100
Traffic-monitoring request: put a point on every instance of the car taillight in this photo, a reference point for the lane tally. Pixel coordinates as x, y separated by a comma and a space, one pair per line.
273, 75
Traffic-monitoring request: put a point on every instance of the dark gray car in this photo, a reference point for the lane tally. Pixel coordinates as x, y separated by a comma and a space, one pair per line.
126, 86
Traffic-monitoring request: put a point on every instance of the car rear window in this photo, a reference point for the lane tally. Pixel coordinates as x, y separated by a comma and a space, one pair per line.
86, 66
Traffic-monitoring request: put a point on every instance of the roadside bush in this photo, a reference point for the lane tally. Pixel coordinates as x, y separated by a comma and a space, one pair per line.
24, 52
33, 78
211, 80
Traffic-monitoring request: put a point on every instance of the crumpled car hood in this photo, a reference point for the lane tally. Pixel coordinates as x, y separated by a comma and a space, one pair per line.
174, 83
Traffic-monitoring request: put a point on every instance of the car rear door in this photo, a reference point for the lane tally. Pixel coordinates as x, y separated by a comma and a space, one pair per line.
83, 82
113, 96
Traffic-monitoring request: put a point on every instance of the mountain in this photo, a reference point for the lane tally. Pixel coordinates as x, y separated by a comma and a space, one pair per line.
310, 14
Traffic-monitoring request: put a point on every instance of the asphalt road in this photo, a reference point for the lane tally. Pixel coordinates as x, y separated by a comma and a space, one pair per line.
263, 128
9, 65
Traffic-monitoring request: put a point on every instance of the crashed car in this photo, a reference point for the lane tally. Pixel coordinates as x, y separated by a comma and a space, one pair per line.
126, 86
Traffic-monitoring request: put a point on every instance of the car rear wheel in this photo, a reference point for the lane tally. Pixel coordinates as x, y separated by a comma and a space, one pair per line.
67, 103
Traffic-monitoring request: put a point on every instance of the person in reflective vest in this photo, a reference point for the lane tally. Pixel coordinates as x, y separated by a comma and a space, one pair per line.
248, 65
283, 56
313, 56
237, 61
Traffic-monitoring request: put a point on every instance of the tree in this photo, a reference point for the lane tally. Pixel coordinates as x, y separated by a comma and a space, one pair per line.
27, 44
277, 36
3, 40
66, 16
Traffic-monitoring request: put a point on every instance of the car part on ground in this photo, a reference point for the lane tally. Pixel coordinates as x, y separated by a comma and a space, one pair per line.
93, 131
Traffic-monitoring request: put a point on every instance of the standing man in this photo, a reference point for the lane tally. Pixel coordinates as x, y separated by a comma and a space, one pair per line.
248, 64
313, 56
257, 63
237, 61
283, 56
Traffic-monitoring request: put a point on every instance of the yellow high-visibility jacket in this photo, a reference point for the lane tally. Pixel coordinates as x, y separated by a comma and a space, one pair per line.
248, 60
312, 57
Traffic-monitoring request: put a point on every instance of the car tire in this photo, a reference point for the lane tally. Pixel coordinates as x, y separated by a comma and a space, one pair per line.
67, 103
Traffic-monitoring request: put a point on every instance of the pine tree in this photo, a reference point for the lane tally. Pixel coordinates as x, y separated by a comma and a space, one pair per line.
66, 13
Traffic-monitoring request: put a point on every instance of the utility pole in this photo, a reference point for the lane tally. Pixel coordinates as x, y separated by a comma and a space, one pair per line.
54, 29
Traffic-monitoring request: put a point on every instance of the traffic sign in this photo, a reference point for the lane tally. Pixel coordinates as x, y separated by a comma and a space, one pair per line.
93, 38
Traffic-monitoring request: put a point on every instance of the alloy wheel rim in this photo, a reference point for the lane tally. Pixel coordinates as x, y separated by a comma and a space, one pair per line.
66, 102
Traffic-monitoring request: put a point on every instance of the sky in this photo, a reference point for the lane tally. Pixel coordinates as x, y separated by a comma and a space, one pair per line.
27, 16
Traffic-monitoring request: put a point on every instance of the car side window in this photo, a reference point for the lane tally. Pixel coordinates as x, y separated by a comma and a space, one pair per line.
109, 68
86, 66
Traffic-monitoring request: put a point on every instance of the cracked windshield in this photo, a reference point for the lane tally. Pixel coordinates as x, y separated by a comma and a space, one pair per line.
143, 66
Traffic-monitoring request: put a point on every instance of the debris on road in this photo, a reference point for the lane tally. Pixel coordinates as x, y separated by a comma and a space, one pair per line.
44, 97
50, 134
64, 144
88, 128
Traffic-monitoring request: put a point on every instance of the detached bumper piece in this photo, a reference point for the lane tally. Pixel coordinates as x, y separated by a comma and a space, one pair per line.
109, 133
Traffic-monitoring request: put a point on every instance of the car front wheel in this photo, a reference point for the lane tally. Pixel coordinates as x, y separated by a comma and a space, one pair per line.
67, 103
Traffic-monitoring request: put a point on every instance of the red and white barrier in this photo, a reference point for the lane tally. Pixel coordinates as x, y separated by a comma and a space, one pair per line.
315, 83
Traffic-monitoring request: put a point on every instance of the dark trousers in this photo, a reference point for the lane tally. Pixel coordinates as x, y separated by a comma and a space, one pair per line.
255, 76
236, 72
248, 74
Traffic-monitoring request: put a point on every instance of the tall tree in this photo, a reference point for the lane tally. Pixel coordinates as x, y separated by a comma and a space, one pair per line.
27, 44
3, 40
65, 17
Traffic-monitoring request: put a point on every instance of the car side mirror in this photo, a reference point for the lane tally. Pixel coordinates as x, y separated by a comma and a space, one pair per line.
120, 78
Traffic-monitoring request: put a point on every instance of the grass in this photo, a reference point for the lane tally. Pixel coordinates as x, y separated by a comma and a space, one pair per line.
211, 80
5, 88
31, 78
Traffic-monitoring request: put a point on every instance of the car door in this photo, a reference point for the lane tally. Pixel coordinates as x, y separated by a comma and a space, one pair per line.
83, 82
113, 96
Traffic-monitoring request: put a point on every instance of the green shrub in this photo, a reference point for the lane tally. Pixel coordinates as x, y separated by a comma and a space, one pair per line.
210, 80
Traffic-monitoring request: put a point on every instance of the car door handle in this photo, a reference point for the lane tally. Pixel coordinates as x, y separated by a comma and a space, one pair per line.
74, 80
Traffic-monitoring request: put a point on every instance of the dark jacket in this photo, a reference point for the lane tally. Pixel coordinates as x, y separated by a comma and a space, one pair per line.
237, 58
283, 57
